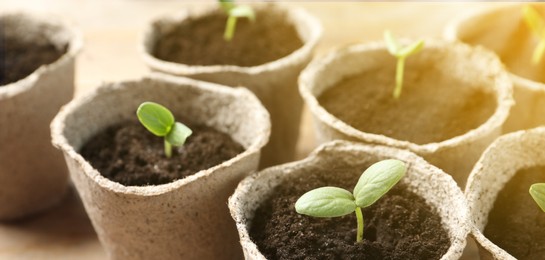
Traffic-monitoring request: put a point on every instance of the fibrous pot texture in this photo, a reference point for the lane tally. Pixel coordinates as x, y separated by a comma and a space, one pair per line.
518, 153
274, 82
434, 186
37, 73
514, 44
454, 100
184, 219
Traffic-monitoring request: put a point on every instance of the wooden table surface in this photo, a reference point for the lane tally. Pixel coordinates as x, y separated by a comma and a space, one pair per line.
112, 29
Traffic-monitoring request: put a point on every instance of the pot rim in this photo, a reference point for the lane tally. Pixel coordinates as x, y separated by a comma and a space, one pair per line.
75, 45
504, 99
61, 142
295, 16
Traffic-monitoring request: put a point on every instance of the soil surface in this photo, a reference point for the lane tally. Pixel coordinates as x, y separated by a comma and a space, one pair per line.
130, 155
19, 58
430, 108
400, 225
516, 222
200, 41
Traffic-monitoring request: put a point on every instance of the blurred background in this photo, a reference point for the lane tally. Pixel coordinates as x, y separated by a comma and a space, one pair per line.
112, 30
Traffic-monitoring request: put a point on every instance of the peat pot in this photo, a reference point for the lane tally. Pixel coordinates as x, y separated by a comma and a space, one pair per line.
36, 78
454, 101
184, 219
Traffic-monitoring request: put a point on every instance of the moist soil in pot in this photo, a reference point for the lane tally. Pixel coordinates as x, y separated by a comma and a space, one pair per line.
428, 110
130, 155
516, 223
200, 41
398, 226
19, 58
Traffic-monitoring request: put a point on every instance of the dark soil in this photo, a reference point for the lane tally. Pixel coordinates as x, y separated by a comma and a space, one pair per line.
19, 58
398, 226
200, 41
516, 223
130, 155
431, 108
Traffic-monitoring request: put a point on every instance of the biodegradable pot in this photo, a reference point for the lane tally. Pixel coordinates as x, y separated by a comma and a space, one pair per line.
32, 172
514, 44
442, 194
184, 219
274, 82
498, 165
440, 82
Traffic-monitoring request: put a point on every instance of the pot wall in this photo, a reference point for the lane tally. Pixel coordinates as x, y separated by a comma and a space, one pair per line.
274, 83
452, 65
184, 219
441, 194
32, 172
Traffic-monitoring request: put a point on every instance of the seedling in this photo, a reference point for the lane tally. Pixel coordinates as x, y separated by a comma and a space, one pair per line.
160, 122
537, 25
329, 202
538, 193
234, 12
401, 53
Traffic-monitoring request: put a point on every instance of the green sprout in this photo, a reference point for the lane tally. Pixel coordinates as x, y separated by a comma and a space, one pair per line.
537, 25
401, 53
538, 193
234, 11
329, 202
160, 122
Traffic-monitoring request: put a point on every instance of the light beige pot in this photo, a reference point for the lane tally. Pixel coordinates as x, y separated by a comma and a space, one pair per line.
498, 165
469, 68
274, 83
32, 173
427, 181
184, 219
503, 30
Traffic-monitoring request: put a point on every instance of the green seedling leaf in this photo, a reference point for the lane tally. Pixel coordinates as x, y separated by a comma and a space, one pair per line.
243, 11
234, 12
412, 49
156, 118
391, 43
326, 202
538, 193
178, 134
160, 122
537, 25
226, 5
401, 53
377, 180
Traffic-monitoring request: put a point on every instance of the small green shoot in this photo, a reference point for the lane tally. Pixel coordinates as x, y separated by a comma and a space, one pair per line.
401, 53
536, 23
160, 122
329, 202
538, 193
234, 12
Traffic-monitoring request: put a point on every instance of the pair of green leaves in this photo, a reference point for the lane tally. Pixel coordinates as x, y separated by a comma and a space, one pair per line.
327, 202
538, 193
234, 11
160, 122
401, 53
536, 23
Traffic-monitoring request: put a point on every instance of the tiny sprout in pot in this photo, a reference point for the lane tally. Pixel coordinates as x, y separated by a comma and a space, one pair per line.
160, 122
538, 194
328, 202
401, 53
537, 25
234, 12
